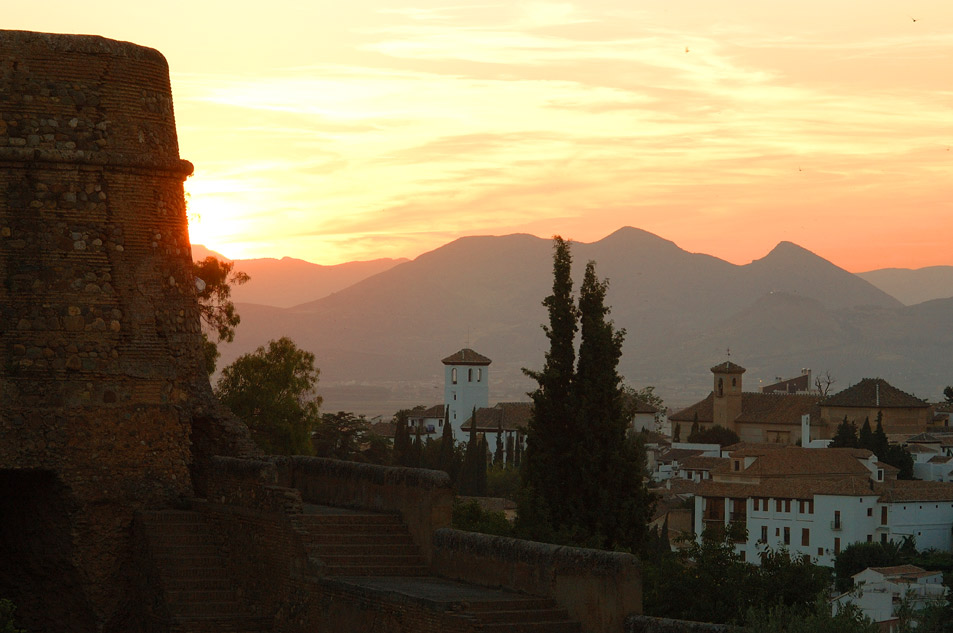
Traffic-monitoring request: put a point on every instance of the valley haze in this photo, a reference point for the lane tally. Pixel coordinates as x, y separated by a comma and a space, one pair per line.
379, 329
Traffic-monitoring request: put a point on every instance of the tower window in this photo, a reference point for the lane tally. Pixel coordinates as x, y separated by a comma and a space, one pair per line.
470, 375
453, 375
479, 374
734, 382
721, 387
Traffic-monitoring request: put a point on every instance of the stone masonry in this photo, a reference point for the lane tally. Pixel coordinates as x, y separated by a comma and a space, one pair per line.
102, 388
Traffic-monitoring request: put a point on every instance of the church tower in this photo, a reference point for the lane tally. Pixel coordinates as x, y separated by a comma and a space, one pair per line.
726, 405
466, 380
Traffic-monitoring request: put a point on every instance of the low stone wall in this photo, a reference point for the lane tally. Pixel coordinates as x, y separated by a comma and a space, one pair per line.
645, 624
423, 498
250, 483
598, 588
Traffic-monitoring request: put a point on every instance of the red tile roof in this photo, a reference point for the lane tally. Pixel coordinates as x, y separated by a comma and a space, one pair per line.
466, 356
874, 393
794, 461
511, 416
702, 463
758, 408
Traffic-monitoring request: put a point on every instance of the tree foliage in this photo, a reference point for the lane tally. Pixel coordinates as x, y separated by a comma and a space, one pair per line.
948, 394
339, 435
218, 314
273, 391
716, 434
577, 458
857, 557
846, 436
7, 621
708, 581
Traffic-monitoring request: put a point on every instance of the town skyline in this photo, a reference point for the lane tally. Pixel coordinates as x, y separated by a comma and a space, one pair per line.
384, 129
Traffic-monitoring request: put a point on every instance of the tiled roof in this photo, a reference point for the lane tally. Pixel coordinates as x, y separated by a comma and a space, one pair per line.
799, 462
940, 459
923, 438
789, 488
887, 468
900, 570
769, 446
511, 416
901, 490
436, 411
876, 393
728, 367
791, 385
759, 408
466, 356
702, 463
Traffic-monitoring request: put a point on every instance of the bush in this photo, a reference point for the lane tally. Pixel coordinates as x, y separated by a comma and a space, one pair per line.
469, 516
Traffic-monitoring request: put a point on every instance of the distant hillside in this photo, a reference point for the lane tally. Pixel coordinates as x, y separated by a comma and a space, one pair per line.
382, 338
913, 286
286, 282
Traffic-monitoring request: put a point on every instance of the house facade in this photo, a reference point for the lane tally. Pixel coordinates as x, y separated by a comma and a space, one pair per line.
879, 591
815, 502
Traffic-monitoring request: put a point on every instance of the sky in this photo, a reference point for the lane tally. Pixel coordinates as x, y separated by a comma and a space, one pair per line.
340, 131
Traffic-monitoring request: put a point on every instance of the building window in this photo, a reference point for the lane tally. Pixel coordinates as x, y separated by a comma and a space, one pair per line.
721, 387
777, 531
470, 375
870, 512
836, 525
836, 546
764, 533
756, 503
453, 375
734, 382
870, 538
777, 505
737, 463
810, 506
883, 515
787, 505
805, 537
820, 551
880, 474
787, 536
479, 374
883, 539
454, 395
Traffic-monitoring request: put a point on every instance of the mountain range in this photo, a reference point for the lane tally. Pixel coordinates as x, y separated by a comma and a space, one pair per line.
379, 340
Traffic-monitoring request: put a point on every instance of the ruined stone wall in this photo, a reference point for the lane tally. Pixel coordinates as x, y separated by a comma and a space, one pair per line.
101, 373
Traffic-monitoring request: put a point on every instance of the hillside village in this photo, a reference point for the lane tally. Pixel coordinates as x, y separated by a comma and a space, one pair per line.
781, 485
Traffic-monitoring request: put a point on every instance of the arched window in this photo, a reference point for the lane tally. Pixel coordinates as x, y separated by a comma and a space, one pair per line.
470, 375
734, 382
453, 375
479, 374
721, 387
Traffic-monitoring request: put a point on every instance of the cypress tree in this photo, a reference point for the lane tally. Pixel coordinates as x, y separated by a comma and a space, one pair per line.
401, 440
498, 455
607, 461
866, 437
445, 461
480, 475
508, 460
544, 470
694, 428
845, 436
677, 433
880, 442
416, 450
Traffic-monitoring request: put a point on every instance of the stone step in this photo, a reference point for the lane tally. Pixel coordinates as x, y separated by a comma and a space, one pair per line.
524, 615
394, 538
349, 519
170, 517
178, 561
378, 549
210, 582
377, 570
167, 539
227, 608
514, 604
564, 626
372, 560
218, 594
355, 528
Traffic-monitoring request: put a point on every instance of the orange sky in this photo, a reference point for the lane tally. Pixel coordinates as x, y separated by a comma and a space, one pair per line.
335, 131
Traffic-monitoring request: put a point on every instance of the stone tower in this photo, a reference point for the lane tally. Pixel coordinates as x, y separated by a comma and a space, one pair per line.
466, 384
101, 380
726, 406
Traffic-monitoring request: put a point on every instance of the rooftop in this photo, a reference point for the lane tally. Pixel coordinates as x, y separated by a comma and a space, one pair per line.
466, 356
874, 393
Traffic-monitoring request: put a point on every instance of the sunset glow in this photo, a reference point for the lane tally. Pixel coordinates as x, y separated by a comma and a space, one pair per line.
341, 131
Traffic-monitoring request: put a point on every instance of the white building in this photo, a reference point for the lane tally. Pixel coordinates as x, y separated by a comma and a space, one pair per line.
815, 502
878, 591
465, 386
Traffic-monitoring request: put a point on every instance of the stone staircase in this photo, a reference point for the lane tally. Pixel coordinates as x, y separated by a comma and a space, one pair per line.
350, 543
378, 548
520, 615
199, 596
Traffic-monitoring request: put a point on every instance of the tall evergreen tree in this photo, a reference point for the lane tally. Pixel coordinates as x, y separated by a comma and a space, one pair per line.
549, 434
677, 433
446, 459
845, 436
880, 442
578, 458
865, 438
416, 449
498, 455
508, 458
